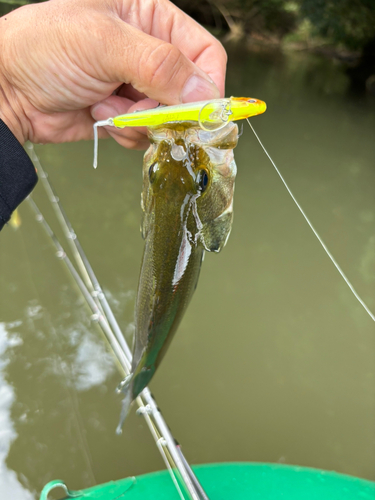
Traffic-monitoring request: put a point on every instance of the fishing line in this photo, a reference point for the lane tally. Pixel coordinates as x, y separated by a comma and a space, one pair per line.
372, 316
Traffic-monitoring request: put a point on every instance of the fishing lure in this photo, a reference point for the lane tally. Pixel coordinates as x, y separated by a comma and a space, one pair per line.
210, 115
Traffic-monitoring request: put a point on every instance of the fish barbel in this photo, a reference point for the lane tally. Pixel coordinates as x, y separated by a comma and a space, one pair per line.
187, 204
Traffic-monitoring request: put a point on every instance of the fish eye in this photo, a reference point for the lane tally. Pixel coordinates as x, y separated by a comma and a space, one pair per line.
202, 180
151, 171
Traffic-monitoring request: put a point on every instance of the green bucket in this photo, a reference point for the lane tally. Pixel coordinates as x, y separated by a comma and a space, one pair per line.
234, 481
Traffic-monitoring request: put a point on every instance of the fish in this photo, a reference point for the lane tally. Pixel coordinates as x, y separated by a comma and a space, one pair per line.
187, 210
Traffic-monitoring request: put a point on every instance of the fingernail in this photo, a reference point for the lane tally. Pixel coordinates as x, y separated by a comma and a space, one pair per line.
102, 111
199, 89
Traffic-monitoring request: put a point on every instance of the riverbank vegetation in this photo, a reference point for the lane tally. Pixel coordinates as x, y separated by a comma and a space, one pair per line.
339, 29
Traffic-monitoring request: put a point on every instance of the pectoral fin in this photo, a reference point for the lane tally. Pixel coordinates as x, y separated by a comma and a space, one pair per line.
215, 233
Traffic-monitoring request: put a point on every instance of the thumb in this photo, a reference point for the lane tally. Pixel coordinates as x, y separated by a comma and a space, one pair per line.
155, 67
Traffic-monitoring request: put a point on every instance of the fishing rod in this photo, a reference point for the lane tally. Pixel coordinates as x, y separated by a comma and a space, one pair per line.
102, 313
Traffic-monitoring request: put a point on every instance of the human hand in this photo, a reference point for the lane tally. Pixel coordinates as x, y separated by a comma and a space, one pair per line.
61, 61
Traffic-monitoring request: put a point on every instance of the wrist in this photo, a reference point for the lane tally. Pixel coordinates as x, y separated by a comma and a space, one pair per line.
10, 119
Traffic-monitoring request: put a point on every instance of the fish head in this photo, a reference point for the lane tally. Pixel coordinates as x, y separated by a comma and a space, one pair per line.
190, 173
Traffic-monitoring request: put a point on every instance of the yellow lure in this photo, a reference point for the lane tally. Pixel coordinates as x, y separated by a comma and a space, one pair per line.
211, 115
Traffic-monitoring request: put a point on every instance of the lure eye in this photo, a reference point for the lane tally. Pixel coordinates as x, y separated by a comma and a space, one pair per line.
202, 181
253, 101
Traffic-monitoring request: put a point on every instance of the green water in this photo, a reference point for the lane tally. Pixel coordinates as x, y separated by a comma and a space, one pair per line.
274, 360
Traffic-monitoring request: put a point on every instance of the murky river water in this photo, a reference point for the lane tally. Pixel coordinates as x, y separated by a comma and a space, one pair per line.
274, 360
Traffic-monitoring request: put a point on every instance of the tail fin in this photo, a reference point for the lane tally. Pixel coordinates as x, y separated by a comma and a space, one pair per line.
127, 388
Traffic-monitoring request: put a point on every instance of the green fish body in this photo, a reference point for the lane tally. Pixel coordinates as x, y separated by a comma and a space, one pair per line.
187, 204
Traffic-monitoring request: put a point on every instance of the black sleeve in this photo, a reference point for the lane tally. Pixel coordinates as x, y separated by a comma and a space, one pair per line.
17, 174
